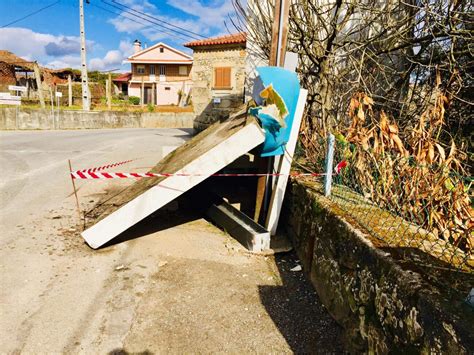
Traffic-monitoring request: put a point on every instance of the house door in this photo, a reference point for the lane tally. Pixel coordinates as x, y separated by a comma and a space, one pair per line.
148, 95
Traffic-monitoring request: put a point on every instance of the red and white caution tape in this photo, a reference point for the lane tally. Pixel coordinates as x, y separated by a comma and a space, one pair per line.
92, 170
88, 174
99, 175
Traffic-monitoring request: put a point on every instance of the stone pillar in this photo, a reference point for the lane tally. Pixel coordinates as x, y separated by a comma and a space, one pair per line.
69, 90
109, 92
38, 84
153, 93
142, 93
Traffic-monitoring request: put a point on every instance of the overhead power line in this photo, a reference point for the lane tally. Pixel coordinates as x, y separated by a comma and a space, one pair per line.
139, 22
153, 20
30, 14
156, 18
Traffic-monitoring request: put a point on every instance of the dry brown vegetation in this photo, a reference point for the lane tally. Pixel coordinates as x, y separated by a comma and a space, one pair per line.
416, 177
393, 80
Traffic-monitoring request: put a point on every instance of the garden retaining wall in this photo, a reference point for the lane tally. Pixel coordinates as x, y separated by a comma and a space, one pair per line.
383, 305
40, 119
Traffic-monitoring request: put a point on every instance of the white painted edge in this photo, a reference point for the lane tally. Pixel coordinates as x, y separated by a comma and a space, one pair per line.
170, 188
278, 192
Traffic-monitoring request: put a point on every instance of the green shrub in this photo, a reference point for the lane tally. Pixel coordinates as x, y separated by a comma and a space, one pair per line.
134, 100
150, 108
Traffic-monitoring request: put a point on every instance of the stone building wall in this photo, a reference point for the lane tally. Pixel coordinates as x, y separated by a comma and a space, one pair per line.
385, 304
206, 108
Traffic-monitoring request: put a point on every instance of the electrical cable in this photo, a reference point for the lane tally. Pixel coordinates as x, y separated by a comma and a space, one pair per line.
157, 19
150, 21
138, 22
30, 14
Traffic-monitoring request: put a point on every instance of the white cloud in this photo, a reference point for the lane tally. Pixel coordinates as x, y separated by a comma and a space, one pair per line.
25, 42
67, 61
205, 20
126, 47
49, 50
112, 59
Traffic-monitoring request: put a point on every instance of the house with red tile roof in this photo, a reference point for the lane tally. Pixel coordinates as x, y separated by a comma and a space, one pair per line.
121, 83
219, 72
159, 73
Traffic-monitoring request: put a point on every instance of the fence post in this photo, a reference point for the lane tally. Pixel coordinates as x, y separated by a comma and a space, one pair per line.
329, 163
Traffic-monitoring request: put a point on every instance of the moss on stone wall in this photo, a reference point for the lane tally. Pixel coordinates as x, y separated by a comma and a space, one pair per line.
382, 305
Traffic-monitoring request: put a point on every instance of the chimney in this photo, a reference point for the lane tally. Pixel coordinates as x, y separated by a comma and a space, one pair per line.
137, 46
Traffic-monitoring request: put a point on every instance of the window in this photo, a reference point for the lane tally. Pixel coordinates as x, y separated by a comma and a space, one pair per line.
183, 70
140, 69
162, 70
162, 49
222, 78
167, 88
152, 69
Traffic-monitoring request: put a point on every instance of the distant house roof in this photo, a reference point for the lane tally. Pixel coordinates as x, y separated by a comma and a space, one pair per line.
14, 60
123, 78
154, 56
236, 38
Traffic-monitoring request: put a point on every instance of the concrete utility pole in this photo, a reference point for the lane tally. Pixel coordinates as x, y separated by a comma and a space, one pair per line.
86, 103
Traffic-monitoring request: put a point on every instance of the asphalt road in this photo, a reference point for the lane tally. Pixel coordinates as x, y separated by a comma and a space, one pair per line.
176, 284
34, 164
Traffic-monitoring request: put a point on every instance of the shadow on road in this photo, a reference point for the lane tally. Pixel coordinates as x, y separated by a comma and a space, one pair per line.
298, 313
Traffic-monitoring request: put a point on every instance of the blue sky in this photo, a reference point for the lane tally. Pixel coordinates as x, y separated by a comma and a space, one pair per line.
52, 36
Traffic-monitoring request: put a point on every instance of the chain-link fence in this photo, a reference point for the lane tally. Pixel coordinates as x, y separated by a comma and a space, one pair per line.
421, 214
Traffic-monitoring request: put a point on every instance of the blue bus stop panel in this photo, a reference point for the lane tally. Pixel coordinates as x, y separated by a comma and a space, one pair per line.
287, 85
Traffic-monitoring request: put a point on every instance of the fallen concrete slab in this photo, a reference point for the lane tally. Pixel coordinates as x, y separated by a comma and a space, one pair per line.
206, 153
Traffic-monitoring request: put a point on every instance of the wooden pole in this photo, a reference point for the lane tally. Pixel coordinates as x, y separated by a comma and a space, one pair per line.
75, 191
279, 29
38, 84
109, 92
283, 32
69, 89
275, 31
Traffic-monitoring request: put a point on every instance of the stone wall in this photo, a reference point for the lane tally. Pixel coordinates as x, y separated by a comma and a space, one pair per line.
203, 94
18, 118
385, 305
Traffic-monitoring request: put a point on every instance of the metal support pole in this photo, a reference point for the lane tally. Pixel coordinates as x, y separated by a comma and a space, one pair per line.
329, 163
86, 103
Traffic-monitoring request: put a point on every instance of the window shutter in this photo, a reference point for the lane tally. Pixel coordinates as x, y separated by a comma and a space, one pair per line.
226, 77
218, 77
222, 77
